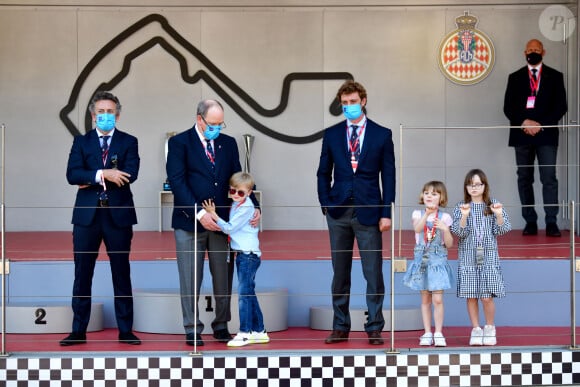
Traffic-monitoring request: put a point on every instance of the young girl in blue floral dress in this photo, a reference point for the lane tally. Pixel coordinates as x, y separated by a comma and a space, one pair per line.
430, 272
477, 221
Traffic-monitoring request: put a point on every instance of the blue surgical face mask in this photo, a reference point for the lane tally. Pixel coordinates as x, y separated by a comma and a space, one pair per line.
105, 121
352, 112
212, 132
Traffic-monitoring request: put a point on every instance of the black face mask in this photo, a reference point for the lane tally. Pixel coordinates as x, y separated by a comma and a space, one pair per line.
534, 58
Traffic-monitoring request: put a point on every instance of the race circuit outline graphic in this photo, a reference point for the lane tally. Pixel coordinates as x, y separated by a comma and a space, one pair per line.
203, 75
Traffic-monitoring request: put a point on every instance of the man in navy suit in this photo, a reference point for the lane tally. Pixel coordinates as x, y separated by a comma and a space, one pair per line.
535, 97
357, 158
103, 164
200, 162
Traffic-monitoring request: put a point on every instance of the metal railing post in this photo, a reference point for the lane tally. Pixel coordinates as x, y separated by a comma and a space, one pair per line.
572, 276
195, 269
400, 185
392, 349
3, 233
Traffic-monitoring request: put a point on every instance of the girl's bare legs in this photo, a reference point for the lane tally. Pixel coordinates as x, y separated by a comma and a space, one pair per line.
488, 310
426, 310
476, 333
473, 311
438, 310
489, 329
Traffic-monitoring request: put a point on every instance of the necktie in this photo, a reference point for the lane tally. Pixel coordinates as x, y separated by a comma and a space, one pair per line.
354, 143
105, 148
534, 82
209, 151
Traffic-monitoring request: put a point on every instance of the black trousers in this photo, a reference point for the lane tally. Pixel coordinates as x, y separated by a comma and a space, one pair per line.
343, 232
547, 160
86, 242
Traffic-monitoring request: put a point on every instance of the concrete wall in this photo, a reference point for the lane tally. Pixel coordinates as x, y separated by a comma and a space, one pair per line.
250, 47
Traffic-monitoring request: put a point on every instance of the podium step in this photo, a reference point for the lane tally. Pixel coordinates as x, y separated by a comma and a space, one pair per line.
30, 317
159, 310
407, 318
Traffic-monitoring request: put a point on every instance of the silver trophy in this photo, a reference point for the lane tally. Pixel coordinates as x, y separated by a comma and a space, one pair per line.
168, 135
248, 144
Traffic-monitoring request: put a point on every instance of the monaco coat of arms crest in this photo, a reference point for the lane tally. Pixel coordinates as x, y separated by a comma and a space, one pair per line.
466, 55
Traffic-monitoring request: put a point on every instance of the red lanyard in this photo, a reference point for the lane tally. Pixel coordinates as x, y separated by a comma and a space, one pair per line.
535, 83
352, 147
429, 233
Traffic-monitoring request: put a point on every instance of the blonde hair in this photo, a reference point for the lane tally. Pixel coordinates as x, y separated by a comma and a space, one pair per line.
438, 187
242, 179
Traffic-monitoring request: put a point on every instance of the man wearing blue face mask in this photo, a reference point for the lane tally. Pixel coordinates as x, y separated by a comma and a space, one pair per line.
103, 164
535, 100
356, 160
200, 162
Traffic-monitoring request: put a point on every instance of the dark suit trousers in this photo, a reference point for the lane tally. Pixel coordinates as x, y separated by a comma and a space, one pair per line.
343, 232
547, 159
86, 243
221, 269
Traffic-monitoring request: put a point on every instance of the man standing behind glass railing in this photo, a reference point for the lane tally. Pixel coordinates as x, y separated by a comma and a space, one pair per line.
356, 160
535, 97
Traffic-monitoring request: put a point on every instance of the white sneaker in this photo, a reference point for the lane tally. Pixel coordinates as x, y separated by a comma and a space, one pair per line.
439, 340
476, 336
240, 340
489, 335
259, 337
426, 339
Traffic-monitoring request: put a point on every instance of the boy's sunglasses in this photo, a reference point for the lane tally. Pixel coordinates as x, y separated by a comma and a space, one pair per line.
234, 191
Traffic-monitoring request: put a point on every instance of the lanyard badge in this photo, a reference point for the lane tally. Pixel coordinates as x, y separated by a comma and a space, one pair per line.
479, 255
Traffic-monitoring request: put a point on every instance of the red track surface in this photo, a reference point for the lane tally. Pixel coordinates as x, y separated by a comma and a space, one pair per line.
293, 339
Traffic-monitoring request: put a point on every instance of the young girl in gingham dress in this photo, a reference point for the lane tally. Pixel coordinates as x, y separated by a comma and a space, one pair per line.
477, 221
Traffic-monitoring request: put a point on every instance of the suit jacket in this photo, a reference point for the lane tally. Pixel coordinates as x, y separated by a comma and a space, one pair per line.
337, 183
193, 179
549, 107
85, 159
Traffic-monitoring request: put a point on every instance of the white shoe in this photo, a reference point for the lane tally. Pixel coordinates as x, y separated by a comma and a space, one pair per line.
426, 339
259, 338
489, 335
476, 336
240, 340
439, 340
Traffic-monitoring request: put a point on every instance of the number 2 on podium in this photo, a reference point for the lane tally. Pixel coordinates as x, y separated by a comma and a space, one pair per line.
40, 314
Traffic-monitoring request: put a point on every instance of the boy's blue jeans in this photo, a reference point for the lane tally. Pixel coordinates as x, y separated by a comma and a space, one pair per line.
251, 319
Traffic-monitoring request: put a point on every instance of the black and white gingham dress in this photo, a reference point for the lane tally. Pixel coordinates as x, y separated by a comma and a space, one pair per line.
484, 280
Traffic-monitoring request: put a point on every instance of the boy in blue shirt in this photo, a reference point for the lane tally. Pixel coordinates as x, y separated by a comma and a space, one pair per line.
244, 241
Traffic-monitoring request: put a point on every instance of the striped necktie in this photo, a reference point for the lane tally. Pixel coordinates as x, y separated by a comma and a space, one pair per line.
105, 148
354, 143
209, 151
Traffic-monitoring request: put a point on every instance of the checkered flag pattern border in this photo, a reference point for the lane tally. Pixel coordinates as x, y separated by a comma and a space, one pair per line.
534, 368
